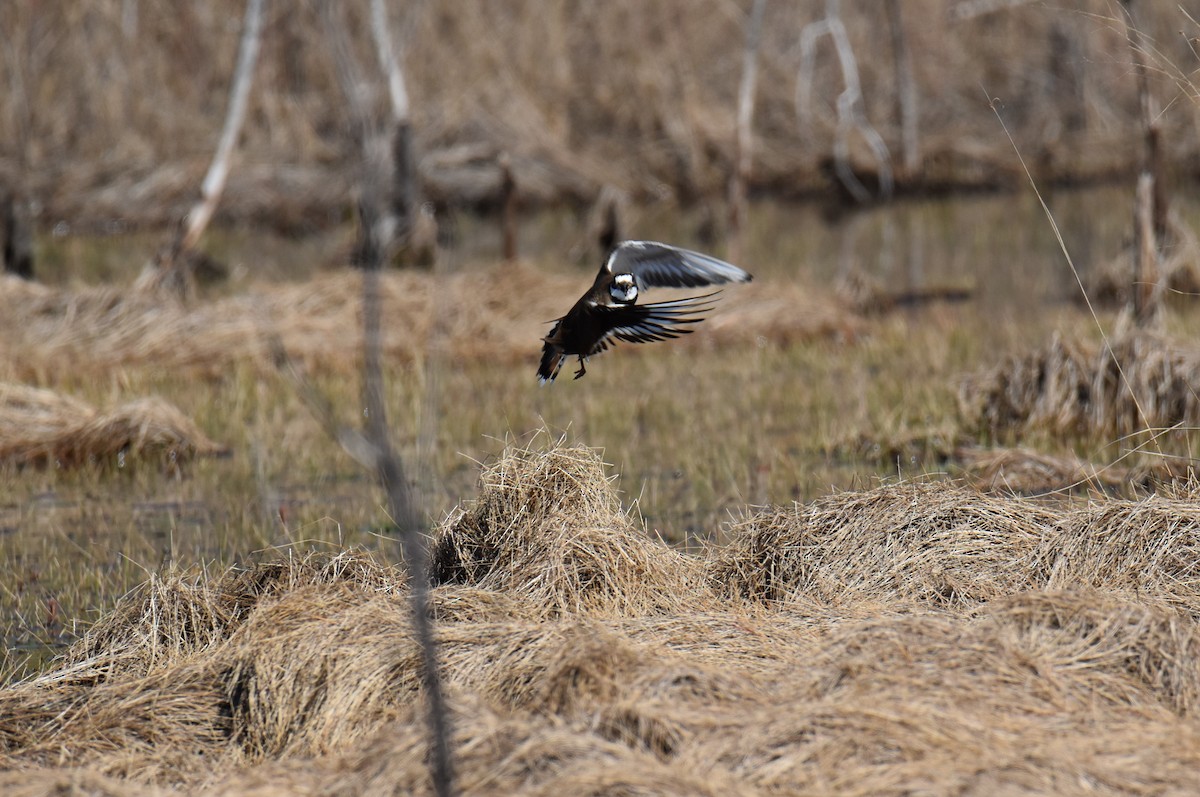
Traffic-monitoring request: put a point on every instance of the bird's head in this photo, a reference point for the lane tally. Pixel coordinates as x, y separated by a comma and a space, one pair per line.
623, 289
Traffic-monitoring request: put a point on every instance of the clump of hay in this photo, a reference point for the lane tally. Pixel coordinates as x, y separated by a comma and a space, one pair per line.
889, 701
496, 752
325, 666
317, 668
1140, 382
51, 781
148, 692
162, 621
929, 542
41, 427
548, 527
911, 638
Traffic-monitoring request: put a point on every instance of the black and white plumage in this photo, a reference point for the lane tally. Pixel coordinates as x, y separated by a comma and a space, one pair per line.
608, 312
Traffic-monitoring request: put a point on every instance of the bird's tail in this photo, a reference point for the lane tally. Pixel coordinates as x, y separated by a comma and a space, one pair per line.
552, 360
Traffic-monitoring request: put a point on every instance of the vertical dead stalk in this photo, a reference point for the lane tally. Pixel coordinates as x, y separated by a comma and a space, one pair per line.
402, 507
1150, 204
743, 138
906, 91
508, 204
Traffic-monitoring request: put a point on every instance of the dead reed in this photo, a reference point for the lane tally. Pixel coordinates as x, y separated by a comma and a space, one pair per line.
1140, 383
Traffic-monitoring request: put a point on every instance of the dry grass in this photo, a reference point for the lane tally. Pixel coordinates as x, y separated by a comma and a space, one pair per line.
43, 428
1179, 269
908, 638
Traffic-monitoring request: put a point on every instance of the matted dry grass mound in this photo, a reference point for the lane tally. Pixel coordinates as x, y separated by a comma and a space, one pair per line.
1025, 471
1102, 686
944, 545
474, 315
548, 527
929, 542
179, 613
1140, 382
41, 427
909, 639
1149, 547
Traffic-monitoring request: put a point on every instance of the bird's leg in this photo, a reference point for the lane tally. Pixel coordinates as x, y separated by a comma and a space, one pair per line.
582, 370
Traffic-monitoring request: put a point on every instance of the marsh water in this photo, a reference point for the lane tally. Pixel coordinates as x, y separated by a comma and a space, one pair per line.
1002, 246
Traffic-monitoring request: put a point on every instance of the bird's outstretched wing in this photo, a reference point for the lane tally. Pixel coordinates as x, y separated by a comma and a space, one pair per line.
645, 323
658, 265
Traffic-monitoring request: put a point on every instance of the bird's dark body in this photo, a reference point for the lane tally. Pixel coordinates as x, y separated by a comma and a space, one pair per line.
608, 311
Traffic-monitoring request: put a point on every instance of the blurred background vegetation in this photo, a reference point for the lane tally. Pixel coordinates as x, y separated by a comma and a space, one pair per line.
111, 108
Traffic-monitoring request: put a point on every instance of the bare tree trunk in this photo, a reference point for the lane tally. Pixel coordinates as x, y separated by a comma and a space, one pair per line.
172, 261
743, 140
1145, 292
389, 206
906, 91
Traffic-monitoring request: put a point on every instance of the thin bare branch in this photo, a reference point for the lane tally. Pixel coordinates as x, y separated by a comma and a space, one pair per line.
218, 172
850, 114
743, 141
397, 89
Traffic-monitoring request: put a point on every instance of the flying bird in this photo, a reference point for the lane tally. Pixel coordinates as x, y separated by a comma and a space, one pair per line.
608, 312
